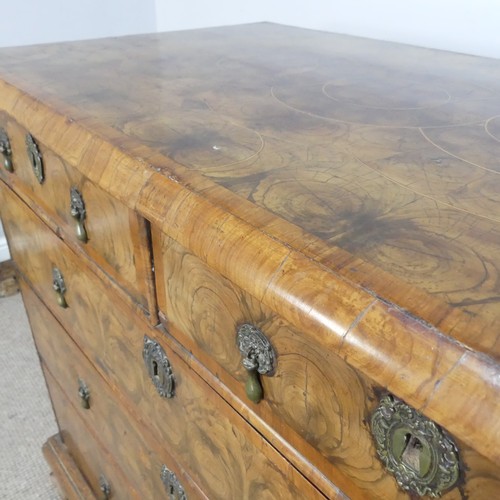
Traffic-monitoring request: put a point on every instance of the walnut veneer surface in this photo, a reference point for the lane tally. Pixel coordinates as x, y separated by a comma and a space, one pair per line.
339, 192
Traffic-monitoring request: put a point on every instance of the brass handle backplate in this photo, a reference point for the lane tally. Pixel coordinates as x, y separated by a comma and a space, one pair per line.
35, 158
105, 487
422, 457
175, 491
258, 358
158, 367
78, 212
84, 393
59, 287
6, 150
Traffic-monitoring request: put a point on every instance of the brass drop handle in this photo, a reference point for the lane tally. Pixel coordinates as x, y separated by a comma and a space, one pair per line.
158, 367
258, 358
79, 213
6, 150
105, 487
174, 489
422, 457
84, 394
35, 158
59, 287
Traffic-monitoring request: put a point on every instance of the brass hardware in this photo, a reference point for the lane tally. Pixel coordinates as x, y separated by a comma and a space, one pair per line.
158, 367
6, 150
104, 487
258, 357
422, 457
175, 491
35, 158
59, 287
84, 393
78, 213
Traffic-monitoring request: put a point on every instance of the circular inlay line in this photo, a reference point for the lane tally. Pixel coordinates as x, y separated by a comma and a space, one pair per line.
486, 129
349, 122
238, 125
428, 139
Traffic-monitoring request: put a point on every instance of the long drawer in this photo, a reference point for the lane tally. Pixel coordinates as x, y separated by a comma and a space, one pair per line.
85, 215
93, 460
312, 398
219, 450
88, 395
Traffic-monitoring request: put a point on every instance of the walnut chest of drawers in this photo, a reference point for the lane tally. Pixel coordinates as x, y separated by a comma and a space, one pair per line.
259, 262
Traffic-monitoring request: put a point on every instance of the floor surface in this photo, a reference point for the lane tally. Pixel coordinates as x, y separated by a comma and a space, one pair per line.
26, 416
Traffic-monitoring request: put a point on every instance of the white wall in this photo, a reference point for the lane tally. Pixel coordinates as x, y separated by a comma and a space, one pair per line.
470, 26
4, 249
26, 22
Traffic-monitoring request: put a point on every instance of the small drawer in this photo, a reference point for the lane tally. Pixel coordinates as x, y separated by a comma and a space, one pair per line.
86, 216
197, 426
89, 412
312, 397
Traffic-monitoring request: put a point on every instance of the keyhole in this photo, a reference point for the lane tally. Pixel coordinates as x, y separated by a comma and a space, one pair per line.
412, 452
155, 369
414, 442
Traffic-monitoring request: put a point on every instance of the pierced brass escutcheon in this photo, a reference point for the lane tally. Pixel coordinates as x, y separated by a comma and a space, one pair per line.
79, 213
6, 150
422, 457
59, 287
258, 358
174, 489
35, 158
84, 393
158, 367
105, 487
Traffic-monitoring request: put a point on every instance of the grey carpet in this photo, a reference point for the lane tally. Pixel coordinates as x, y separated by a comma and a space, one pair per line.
26, 416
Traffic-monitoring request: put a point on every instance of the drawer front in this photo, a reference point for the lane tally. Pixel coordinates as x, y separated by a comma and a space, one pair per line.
116, 238
198, 426
77, 389
314, 399
96, 463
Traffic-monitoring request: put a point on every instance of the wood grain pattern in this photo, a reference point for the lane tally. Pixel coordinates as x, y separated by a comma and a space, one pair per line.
349, 186
315, 400
69, 477
202, 427
121, 444
314, 300
87, 451
345, 139
341, 188
117, 236
44, 246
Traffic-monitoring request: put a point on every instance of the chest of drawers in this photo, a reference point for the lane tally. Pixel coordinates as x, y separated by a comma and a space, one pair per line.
259, 262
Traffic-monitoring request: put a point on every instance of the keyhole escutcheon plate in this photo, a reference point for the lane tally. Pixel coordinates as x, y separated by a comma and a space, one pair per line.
158, 367
173, 487
422, 457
